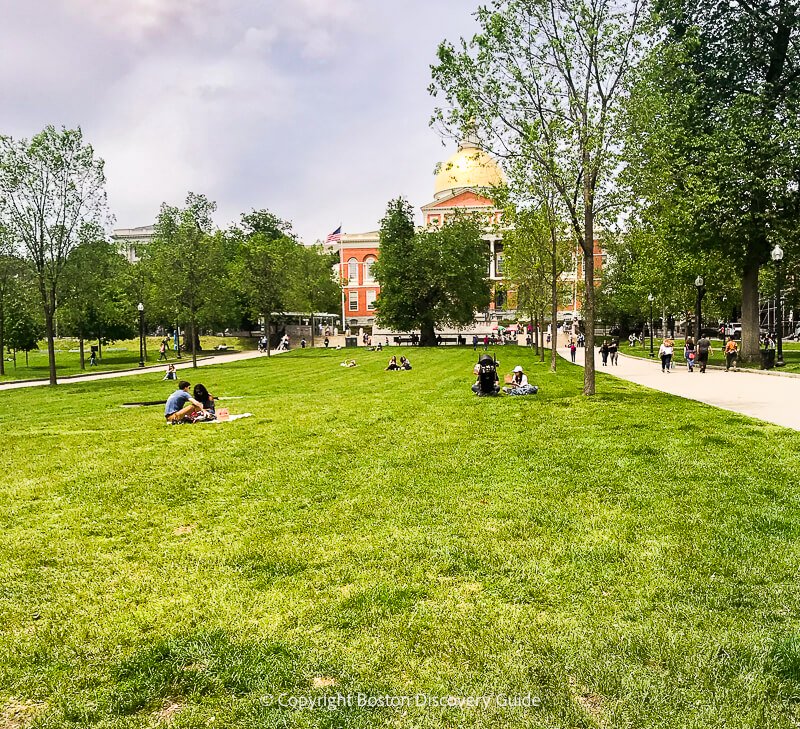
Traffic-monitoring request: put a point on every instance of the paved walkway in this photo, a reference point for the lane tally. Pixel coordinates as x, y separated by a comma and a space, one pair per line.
773, 398
151, 370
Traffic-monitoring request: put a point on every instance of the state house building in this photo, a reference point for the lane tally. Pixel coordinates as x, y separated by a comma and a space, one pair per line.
462, 185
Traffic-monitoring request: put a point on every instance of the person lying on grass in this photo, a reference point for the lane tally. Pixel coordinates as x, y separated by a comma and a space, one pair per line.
181, 405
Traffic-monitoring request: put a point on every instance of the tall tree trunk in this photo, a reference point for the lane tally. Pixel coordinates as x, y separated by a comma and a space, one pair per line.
751, 325
51, 345
427, 334
553, 297
312, 330
2, 341
535, 333
83, 356
588, 320
588, 274
268, 329
533, 330
99, 348
541, 349
192, 324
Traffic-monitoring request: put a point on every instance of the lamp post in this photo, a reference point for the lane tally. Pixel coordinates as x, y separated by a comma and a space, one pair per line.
698, 282
777, 256
141, 334
650, 298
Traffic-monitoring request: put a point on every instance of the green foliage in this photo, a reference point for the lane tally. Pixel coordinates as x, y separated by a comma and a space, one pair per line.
96, 292
429, 278
540, 85
51, 188
187, 261
713, 136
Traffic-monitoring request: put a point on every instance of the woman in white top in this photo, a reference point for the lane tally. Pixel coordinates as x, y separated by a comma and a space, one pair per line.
665, 352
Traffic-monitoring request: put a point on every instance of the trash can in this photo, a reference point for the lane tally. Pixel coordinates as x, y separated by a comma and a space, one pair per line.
351, 341
767, 359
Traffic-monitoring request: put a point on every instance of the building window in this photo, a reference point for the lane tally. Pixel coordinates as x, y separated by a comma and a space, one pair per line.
352, 300
372, 295
498, 266
368, 277
352, 270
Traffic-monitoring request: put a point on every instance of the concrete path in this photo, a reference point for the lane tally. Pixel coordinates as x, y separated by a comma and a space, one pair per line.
773, 398
150, 370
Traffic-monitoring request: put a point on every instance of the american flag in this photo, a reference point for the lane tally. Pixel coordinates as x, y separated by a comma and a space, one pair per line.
335, 237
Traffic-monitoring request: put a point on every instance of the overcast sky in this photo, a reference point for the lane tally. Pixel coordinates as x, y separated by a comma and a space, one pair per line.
317, 110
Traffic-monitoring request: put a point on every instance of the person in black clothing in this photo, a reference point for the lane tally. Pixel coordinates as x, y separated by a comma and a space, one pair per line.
488, 382
703, 350
604, 349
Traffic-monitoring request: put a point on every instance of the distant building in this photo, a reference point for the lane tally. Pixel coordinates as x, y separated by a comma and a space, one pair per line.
463, 184
131, 242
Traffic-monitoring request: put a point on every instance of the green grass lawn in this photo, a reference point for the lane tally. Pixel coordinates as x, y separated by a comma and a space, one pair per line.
387, 533
791, 353
115, 356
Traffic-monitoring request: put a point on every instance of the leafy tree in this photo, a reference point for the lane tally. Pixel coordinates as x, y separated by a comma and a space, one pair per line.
715, 135
429, 278
24, 326
50, 188
267, 258
97, 304
314, 287
540, 86
537, 249
187, 260
11, 268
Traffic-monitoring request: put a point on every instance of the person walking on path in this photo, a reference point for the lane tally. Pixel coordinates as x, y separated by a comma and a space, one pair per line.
689, 353
613, 352
731, 353
162, 350
604, 349
572, 349
703, 350
665, 352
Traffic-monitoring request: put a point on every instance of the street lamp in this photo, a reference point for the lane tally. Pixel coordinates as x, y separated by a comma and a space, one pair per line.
141, 334
777, 256
698, 282
650, 298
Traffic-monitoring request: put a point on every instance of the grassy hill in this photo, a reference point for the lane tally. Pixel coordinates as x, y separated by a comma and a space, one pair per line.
628, 560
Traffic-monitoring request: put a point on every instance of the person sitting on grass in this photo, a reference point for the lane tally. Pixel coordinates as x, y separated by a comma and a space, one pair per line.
181, 405
349, 363
519, 385
488, 382
204, 397
404, 364
171, 374
392, 364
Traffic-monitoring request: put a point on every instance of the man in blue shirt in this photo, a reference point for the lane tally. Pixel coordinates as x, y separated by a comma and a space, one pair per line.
180, 404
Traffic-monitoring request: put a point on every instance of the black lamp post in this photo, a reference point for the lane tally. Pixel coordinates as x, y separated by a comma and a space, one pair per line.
650, 298
777, 256
699, 282
141, 334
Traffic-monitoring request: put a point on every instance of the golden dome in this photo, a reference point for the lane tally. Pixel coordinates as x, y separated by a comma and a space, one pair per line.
469, 167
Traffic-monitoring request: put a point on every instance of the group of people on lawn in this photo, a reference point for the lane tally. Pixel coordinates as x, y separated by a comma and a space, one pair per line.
182, 407
487, 380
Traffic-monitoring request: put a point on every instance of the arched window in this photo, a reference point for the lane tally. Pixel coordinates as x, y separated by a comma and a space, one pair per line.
352, 270
368, 277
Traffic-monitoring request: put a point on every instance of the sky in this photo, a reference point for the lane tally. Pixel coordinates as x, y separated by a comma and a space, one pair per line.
317, 110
